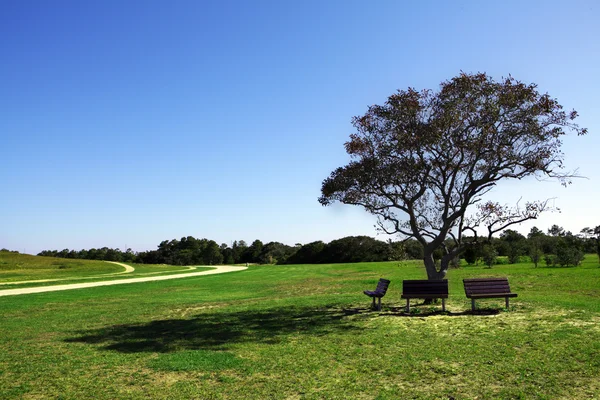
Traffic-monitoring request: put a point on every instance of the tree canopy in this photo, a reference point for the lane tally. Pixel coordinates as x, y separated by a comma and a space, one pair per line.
422, 159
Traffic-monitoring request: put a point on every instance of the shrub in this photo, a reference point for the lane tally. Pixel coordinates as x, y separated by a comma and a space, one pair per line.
566, 256
550, 260
490, 255
471, 255
513, 256
535, 254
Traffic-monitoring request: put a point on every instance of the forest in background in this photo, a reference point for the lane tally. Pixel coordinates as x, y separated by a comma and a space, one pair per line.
554, 247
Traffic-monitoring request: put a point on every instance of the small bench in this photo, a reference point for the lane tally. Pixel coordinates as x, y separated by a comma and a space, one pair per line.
424, 289
379, 292
487, 288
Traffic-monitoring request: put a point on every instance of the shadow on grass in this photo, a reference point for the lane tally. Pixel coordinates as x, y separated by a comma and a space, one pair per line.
218, 330
426, 311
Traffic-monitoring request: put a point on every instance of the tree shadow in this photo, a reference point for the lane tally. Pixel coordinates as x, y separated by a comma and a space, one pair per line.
218, 330
427, 310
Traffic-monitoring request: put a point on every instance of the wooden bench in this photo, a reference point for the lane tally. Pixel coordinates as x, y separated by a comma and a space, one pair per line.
487, 288
379, 292
424, 289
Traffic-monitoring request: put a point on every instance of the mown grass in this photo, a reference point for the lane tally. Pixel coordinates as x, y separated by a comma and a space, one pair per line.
305, 331
23, 270
17, 267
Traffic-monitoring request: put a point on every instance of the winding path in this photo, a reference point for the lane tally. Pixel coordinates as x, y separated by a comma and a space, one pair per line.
128, 268
220, 269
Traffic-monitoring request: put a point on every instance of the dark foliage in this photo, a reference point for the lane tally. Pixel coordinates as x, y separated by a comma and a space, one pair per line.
423, 158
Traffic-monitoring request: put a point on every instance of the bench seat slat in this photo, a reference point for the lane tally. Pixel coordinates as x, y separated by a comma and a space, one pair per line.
501, 279
425, 296
374, 293
494, 283
491, 296
497, 289
492, 288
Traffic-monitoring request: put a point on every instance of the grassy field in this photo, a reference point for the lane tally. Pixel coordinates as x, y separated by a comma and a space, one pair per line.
305, 332
22, 270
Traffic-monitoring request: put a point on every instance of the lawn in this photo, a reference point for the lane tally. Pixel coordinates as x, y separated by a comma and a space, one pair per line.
305, 332
22, 270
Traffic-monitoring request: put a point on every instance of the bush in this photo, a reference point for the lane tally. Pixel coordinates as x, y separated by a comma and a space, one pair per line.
471, 255
566, 256
490, 255
550, 260
514, 257
502, 260
535, 255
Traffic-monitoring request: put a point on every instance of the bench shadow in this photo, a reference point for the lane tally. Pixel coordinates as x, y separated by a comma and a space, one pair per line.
218, 330
427, 310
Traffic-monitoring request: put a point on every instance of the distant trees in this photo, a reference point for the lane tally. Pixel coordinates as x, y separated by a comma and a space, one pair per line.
103, 253
187, 251
191, 251
309, 253
275, 253
593, 239
516, 245
348, 249
489, 255
253, 252
9, 251
557, 247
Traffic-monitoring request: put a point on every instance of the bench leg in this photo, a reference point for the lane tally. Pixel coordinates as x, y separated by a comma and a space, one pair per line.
408, 305
507, 302
443, 304
472, 304
379, 306
373, 305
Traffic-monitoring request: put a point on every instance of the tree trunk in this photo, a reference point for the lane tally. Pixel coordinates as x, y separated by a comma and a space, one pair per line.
432, 272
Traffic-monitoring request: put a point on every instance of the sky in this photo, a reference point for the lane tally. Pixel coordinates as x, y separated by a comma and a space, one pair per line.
126, 123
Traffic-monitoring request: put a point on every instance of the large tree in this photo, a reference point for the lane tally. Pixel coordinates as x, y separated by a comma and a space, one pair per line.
423, 159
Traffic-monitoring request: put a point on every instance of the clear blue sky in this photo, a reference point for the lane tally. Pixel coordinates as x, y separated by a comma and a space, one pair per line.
124, 123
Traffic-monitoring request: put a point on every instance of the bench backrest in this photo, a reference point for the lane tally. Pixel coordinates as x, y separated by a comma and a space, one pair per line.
424, 287
486, 286
382, 286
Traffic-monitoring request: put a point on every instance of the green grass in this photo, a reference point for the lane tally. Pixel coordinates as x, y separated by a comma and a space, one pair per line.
19, 267
22, 270
305, 332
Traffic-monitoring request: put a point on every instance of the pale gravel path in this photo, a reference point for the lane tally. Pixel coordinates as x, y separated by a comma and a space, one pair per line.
128, 268
220, 269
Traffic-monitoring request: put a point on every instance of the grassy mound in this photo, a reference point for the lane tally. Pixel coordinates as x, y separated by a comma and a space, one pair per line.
21, 267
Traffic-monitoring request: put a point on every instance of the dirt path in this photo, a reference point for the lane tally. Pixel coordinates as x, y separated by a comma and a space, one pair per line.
128, 269
216, 270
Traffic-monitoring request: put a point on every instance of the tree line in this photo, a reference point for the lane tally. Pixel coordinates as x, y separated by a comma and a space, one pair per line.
192, 251
554, 247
